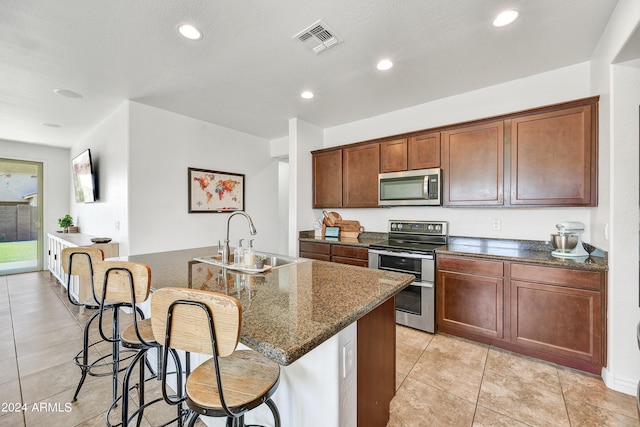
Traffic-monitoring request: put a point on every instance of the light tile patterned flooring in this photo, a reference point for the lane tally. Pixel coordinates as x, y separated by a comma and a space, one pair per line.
441, 380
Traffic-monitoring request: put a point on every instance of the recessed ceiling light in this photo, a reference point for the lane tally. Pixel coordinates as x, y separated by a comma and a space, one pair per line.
505, 18
68, 93
51, 125
306, 94
189, 31
383, 65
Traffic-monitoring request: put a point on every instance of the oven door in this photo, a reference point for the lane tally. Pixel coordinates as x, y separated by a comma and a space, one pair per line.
415, 305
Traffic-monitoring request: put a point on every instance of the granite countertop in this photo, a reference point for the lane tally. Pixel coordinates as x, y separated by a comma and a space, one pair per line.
364, 239
533, 251
287, 311
536, 252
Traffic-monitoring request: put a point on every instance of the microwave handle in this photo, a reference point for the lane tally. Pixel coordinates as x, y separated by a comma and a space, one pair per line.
425, 187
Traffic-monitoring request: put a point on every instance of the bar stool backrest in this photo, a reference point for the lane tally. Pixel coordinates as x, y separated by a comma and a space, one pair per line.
190, 328
119, 285
78, 261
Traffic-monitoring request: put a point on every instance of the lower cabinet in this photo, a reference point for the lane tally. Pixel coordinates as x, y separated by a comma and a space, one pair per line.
56, 243
552, 313
470, 295
335, 252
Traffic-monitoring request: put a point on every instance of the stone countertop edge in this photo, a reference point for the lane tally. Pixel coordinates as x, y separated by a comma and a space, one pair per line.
532, 251
287, 357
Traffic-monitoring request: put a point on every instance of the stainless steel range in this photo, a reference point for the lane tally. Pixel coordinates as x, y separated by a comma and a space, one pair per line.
411, 249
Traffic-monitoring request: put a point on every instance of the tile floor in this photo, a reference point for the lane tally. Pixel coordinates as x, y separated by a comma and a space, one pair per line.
441, 380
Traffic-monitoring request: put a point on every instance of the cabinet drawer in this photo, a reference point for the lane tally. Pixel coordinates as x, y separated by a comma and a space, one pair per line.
557, 276
318, 248
311, 255
350, 261
471, 266
350, 251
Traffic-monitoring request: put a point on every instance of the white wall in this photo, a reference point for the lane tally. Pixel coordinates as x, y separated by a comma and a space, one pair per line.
619, 86
543, 89
109, 145
163, 145
303, 138
56, 169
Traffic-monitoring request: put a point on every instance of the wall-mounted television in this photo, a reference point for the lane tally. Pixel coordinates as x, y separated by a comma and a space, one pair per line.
84, 182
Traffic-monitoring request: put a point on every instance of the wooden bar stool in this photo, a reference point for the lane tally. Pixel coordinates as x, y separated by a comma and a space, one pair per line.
231, 382
125, 284
80, 262
119, 284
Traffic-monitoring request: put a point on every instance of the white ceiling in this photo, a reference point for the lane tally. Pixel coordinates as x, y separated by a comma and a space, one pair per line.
247, 72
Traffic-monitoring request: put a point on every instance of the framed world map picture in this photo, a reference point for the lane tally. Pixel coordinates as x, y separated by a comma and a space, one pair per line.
214, 191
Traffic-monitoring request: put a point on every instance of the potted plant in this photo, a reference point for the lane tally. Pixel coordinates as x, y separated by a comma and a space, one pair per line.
65, 222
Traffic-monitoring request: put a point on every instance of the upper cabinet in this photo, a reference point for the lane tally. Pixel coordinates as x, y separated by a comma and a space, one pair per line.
424, 151
416, 152
473, 165
346, 178
327, 179
553, 158
360, 176
546, 156
393, 155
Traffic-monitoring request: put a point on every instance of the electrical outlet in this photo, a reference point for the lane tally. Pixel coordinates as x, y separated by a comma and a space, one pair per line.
117, 225
496, 224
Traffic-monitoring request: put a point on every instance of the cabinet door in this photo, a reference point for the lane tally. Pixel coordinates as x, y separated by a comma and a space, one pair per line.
424, 151
553, 158
469, 303
393, 155
327, 179
360, 176
557, 319
473, 165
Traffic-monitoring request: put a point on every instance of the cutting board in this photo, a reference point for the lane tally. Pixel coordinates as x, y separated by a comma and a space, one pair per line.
330, 218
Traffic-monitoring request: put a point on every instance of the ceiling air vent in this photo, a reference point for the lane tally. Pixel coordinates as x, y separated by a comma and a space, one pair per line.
318, 37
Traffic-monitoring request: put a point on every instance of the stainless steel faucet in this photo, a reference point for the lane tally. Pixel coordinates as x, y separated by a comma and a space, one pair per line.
226, 250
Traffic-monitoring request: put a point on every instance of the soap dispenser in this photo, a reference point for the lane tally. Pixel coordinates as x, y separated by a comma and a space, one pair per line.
238, 254
250, 256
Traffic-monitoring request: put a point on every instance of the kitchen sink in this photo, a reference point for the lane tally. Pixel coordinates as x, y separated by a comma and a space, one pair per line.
275, 260
272, 261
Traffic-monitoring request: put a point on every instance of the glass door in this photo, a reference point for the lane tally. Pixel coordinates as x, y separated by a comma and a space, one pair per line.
21, 242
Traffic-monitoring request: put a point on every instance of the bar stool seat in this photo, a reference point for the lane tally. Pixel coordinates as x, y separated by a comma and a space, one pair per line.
249, 380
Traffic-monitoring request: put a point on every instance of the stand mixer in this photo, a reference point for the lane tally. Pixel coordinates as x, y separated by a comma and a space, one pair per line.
567, 242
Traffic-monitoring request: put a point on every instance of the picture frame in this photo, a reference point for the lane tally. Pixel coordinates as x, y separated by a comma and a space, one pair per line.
213, 191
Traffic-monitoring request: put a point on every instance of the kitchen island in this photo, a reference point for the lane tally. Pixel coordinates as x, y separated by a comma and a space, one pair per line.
331, 327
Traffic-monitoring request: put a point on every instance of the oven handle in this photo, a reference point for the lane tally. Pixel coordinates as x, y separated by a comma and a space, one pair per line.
401, 254
421, 284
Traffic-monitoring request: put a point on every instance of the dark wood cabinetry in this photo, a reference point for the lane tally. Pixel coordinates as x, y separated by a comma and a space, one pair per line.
416, 152
335, 252
424, 151
327, 179
546, 156
552, 313
470, 296
360, 176
346, 177
473, 165
553, 158
393, 155
321, 251
558, 310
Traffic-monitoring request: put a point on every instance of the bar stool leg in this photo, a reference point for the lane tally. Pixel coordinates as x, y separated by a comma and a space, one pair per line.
116, 351
84, 367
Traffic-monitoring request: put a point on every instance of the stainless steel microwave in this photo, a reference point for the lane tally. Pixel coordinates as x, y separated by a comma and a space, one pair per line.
410, 188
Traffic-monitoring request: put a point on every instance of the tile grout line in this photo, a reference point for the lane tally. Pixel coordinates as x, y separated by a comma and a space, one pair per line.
15, 352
